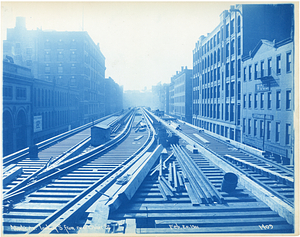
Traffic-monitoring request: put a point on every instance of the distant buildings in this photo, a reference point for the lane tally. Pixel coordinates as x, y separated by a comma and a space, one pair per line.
181, 95
113, 96
61, 79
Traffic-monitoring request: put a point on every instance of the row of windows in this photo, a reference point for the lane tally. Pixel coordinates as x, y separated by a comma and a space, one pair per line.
179, 99
21, 92
215, 40
179, 89
257, 129
60, 44
47, 98
60, 56
217, 111
259, 100
264, 69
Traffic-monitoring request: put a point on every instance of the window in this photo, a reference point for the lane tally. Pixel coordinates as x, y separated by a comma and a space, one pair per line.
288, 99
73, 56
8, 92
245, 76
60, 44
239, 91
288, 134
227, 50
227, 90
239, 24
262, 100
244, 125
278, 99
255, 100
262, 68
268, 130
239, 45
249, 126
250, 100
231, 89
60, 69
288, 62
47, 44
232, 47
277, 132
231, 68
60, 56
255, 127
269, 100
47, 69
47, 57
255, 71
269, 67
227, 30
227, 69
278, 64
261, 128
250, 72
73, 44
245, 101
21, 93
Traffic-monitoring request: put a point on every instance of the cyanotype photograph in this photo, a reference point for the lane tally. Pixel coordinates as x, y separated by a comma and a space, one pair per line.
138, 118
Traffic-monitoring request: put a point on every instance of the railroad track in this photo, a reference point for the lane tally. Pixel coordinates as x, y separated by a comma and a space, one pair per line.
239, 212
133, 187
273, 176
32, 208
23, 168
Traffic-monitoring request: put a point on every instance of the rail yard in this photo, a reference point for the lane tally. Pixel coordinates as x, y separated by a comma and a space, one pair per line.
137, 173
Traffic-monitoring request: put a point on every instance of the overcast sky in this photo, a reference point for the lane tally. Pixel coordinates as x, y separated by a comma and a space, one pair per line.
143, 42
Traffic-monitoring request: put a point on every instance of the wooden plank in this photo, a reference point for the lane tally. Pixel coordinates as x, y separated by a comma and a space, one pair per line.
175, 176
162, 192
194, 200
242, 206
198, 215
224, 221
11, 174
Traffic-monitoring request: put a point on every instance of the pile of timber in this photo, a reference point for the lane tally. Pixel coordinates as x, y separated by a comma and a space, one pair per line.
199, 188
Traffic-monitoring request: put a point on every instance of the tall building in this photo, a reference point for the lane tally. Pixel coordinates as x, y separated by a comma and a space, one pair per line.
181, 95
68, 59
268, 99
217, 62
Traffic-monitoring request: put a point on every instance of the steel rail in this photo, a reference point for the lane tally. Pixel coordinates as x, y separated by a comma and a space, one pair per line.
275, 193
15, 157
64, 167
84, 200
276, 165
47, 168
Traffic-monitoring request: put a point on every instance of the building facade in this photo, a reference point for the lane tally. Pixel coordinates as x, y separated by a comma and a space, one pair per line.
17, 107
217, 63
68, 59
268, 99
181, 95
113, 96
